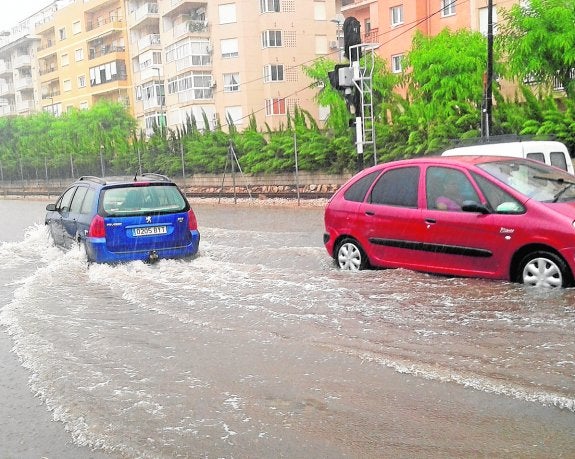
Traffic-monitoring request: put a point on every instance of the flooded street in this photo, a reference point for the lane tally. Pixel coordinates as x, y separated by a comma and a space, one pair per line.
260, 347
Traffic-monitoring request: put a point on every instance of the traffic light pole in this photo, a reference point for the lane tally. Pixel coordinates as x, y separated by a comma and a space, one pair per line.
359, 141
488, 90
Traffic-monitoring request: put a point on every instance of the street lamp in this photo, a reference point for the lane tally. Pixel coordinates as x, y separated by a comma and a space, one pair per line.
102, 160
338, 20
159, 90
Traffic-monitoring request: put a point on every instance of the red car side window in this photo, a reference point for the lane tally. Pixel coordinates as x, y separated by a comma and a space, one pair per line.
397, 187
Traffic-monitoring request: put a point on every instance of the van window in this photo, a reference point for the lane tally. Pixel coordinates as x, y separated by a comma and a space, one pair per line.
558, 160
536, 156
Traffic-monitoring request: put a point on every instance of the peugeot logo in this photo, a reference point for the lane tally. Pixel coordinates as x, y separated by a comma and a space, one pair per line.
148, 219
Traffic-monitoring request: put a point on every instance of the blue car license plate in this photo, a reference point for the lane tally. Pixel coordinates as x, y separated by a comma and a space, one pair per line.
150, 231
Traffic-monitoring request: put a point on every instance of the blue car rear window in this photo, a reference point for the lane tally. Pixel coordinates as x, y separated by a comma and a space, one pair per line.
135, 200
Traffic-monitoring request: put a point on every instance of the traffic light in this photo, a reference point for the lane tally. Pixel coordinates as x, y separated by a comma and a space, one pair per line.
351, 37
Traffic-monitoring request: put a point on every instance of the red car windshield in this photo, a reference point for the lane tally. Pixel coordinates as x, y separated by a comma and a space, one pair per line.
534, 180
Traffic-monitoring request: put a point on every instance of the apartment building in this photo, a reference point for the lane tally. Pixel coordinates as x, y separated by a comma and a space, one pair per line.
18, 65
226, 60
82, 56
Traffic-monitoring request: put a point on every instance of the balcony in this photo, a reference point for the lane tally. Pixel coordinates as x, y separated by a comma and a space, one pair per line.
372, 36
151, 72
22, 61
105, 26
5, 68
193, 61
348, 6
25, 106
192, 95
47, 70
7, 110
6, 89
24, 84
145, 15
148, 41
191, 27
104, 51
191, 9
48, 93
46, 44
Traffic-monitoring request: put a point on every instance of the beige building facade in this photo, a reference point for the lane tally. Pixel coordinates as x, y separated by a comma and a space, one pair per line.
222, 61
83, 57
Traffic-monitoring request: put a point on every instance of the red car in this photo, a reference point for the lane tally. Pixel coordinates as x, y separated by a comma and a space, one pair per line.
474, 216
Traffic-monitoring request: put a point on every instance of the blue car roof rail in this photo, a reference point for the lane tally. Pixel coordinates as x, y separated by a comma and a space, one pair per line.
92, 178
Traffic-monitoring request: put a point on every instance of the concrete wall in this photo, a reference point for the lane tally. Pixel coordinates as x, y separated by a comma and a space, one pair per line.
207, 184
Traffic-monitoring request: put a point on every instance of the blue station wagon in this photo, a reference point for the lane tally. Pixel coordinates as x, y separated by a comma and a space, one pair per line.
146, 218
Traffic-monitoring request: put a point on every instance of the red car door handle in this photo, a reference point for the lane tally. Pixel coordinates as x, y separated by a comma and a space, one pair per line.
429, 221
369, 212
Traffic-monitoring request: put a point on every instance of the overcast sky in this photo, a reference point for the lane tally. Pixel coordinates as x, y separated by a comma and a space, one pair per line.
16, 10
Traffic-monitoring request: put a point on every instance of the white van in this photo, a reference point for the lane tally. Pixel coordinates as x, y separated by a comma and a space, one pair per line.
549, 152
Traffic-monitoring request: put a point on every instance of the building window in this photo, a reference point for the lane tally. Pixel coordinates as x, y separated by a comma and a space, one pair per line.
82, 81
83, 105
67, 85
79, 55
155, 120
447, 7
270, 6
483, 20
271, 39
396, 13
227, 13
231, 82
275, 107
62, 33
273, 73
396, 62
321, 44
235, 115
229, 48
65, 60
319, 13
76, 27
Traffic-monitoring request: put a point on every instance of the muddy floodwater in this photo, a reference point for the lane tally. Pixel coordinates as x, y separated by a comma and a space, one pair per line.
261, 348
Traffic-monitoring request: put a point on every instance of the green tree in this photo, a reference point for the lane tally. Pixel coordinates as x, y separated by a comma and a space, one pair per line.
444, 90
539, 42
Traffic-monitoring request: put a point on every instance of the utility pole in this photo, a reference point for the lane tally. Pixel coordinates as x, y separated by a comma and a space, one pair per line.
488, 89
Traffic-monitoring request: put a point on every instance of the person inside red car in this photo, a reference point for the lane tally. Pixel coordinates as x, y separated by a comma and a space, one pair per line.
451, 197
